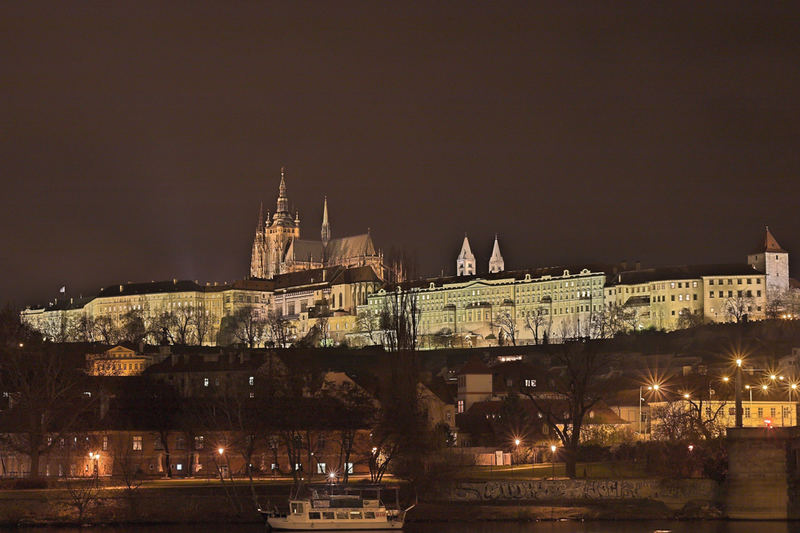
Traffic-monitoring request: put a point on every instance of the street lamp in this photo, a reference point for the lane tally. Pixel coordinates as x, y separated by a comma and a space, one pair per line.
553, 458
220, 450
738, 392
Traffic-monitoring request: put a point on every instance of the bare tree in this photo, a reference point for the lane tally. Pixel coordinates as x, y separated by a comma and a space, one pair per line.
133, 327
689, 419
204, 323
368, 324
183, 323
534, 320
577, 382
399, 319
46, 400
245, 326
737, 307
507, 325
105, 330
278, 329
56, 327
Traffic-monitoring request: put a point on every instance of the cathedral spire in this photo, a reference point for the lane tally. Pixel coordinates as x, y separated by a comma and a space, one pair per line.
283, 200
326, 227
496, 263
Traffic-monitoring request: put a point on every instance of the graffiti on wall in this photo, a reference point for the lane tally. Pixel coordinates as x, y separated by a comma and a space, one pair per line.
583, 489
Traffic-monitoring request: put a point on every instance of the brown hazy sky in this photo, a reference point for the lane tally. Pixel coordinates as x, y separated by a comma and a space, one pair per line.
137, 139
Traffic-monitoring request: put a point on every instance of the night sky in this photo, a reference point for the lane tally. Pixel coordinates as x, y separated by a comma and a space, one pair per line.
137, 139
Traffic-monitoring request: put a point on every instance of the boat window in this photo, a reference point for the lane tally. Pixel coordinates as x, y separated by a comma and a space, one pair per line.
297, 508
342, 516
313, 516
369, 514
355, 515
327, 516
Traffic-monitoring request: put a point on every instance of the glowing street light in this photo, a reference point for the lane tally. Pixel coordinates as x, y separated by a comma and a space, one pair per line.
517, 442
737, 387
686, 396
221, 450
553, 458
726, 379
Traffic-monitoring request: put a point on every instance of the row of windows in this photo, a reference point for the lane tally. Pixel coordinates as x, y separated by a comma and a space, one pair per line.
738, 281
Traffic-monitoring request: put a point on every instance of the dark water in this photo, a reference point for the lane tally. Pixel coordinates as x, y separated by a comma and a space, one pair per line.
482, 527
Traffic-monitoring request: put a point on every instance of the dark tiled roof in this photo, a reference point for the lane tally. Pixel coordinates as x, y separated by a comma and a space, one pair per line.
633, 277
305, 250
511, 275
349, 247
66, 304
356, 275
125, 289
770, 244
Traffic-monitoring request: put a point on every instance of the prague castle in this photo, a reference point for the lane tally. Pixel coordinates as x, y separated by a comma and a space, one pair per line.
337, 290
278, 248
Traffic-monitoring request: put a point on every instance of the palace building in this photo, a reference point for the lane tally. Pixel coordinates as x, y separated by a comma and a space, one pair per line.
278, 248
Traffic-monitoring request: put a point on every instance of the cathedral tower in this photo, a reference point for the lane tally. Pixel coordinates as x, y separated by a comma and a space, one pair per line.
496, 263
273, 235
465, 264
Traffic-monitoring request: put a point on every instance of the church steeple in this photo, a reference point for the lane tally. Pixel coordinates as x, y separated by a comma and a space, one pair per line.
326, 227
283, 200
496, 263
465, 264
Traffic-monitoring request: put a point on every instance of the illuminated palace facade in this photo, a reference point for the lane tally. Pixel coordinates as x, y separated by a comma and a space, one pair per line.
529, 306
468, 309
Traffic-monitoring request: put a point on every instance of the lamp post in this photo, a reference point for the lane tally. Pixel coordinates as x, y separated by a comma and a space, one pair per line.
553, 459
738, 388
653, 387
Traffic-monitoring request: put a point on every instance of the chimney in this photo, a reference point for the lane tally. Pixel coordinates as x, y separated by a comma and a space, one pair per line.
638, 265
121, 287
624, 264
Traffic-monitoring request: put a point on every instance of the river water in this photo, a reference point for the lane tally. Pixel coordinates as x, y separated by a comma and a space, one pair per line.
481, 527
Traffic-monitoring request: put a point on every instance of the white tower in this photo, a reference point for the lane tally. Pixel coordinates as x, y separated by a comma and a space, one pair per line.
773, 261
465, 264
496, 263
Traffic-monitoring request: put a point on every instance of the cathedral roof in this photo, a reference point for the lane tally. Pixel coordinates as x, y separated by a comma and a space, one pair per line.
349, 247
305, 250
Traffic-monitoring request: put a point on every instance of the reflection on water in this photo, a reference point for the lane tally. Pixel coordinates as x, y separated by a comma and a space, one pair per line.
480, 527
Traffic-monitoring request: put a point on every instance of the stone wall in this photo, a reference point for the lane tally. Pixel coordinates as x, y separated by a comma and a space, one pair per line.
673, 493
762, 472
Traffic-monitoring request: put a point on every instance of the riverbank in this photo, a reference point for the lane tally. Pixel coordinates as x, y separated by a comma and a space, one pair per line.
236, 503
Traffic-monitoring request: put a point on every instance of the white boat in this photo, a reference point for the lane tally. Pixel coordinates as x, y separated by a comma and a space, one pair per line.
323, 511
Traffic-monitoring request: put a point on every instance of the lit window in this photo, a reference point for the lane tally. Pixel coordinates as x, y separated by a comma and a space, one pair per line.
205, 382
137, 442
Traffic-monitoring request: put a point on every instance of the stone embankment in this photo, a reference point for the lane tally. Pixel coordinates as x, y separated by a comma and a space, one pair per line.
580, 499
586, 499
